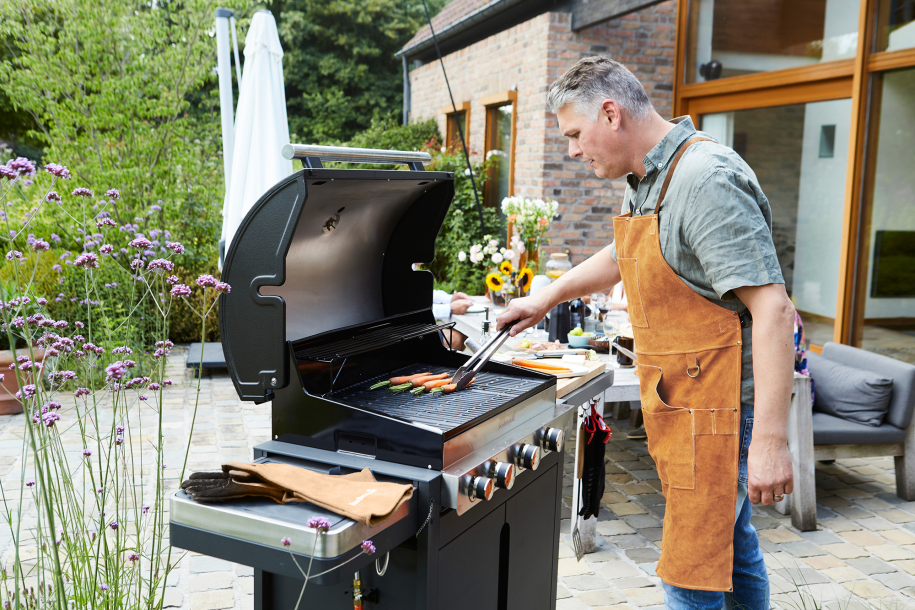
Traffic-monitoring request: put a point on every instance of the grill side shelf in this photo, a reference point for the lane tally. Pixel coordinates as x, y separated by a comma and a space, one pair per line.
374, 339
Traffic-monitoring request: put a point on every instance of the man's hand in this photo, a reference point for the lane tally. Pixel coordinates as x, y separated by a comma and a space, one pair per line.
460, 306
769, 466
528, 311
459, 296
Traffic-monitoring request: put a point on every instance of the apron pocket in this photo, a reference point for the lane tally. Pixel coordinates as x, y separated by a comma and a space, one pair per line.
630, 273
670, 434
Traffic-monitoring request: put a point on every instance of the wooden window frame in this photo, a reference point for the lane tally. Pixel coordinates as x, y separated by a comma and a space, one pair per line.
451, 124
847, 78
491, 103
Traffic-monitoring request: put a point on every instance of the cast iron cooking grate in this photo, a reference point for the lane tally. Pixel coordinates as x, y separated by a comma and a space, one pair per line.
367, 340
444, 411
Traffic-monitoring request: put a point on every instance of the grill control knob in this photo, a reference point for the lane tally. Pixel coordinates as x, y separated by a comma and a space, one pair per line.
528, 456
553, 439
503, 474
481, 488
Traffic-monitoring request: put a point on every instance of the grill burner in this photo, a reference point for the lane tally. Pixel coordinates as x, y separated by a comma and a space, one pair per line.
444, 411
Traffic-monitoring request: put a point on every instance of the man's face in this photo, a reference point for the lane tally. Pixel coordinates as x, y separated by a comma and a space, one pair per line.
598, 143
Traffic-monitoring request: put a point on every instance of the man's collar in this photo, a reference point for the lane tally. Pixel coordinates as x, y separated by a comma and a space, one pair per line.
660, 155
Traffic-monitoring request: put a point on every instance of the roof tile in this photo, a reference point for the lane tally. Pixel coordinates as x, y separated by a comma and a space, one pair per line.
453, 11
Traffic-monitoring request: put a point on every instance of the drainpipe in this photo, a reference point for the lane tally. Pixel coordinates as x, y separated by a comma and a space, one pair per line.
406, 91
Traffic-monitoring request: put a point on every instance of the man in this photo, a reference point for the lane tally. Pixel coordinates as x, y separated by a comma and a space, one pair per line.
712, 322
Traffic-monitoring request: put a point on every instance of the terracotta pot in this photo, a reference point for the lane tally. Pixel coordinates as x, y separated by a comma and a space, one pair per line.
9, 405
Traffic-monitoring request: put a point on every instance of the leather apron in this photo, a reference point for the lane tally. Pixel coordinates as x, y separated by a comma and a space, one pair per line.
688, 352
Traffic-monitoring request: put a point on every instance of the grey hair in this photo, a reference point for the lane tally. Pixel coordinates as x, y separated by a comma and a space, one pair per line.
592, 80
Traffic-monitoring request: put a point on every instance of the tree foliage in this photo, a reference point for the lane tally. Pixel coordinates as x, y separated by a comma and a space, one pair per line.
339, 63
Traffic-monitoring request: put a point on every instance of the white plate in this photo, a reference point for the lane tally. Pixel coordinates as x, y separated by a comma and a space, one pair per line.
475, 309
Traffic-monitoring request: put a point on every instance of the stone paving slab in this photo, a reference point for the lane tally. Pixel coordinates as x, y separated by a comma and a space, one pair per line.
861, 557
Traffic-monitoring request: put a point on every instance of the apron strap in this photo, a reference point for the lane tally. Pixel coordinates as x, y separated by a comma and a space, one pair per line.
673, 166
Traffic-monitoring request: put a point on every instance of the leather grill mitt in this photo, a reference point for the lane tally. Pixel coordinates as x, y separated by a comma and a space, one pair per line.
357, 496
219, 487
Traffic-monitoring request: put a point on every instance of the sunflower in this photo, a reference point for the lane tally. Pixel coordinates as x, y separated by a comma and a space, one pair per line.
525, 277
494, 282
506, 268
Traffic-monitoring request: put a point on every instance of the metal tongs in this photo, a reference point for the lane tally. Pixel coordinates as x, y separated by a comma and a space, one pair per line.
467, 372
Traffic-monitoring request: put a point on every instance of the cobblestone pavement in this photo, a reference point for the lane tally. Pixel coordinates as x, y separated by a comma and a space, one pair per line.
862, 556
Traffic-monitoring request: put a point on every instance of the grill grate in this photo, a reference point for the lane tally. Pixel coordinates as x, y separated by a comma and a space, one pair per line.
445, 411
373, 339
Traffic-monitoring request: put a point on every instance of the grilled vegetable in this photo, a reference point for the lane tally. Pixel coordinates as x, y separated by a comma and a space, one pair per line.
401, 387
394, 381
449, 388
418, 381
546, 368
436, 383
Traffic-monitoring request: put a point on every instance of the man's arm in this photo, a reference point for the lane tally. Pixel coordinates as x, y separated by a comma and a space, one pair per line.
769, 462
598, 273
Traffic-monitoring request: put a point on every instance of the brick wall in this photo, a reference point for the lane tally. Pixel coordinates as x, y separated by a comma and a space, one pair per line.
528, 58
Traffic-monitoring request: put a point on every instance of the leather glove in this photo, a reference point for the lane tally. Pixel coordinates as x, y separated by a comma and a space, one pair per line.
220, 486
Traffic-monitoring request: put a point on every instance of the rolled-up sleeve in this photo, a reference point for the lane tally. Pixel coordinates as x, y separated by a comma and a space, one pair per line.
727, 232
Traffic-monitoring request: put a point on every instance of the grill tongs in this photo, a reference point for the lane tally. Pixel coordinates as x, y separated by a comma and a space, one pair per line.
467, 372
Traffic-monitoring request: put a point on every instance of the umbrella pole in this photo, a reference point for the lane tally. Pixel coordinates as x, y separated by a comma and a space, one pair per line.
226, 106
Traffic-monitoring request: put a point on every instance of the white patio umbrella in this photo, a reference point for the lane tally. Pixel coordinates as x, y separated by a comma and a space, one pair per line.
261, 129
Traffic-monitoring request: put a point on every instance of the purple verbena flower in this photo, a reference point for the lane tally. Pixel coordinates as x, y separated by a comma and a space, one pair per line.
115, 370
87, 260
113, 193
113, 525
140, 243
52, 196
49, 418
81, 392
145, 508
103, 587
180, 290
174, 246
223, 287
106, 249
23, 166
143, 397
42, 301
27, 391
82, 192
118, 440
105, 222
367, 547
136, 264
153, 387
286, 541
132, 556
40, 245
319, 523
87, 452
207, 281
58, 170
161, 265
13, 254
30, 483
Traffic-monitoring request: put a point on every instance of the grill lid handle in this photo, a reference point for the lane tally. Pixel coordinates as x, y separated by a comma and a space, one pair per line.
312, 155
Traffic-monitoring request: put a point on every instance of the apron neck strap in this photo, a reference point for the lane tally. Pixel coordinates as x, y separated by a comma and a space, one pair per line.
673, 166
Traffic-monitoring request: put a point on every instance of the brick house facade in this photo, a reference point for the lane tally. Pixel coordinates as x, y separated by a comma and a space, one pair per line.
526, 58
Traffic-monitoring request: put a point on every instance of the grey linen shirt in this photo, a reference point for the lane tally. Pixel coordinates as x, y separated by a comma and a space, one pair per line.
715, 224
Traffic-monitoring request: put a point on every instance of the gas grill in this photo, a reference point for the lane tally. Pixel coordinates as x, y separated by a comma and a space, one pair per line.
324, 305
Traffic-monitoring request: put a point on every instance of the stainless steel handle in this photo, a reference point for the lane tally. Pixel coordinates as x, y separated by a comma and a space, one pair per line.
354, 155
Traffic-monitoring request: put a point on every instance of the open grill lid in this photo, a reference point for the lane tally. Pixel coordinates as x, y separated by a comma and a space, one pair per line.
326, 249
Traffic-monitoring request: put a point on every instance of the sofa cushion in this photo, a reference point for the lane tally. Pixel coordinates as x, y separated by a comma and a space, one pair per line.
902, 404
829, 430
850, 393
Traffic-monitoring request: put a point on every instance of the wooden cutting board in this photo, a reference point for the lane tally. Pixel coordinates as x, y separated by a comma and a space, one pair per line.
568, 384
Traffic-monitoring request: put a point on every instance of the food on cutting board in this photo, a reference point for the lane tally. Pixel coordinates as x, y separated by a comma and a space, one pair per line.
540, 366
541, 346
525, 344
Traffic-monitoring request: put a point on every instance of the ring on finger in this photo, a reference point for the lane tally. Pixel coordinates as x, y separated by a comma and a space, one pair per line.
779, 497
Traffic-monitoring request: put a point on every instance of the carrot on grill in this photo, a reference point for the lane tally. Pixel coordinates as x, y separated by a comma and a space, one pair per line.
407, 378
435, 383
546, 368
418, 381
451, 387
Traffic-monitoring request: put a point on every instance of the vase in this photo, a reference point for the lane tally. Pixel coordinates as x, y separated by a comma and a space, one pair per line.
9, 404
530, 259
497, 298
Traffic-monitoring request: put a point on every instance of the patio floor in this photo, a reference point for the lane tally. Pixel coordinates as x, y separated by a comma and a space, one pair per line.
862, 556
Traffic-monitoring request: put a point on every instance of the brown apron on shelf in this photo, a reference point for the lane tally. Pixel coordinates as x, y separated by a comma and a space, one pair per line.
688, 352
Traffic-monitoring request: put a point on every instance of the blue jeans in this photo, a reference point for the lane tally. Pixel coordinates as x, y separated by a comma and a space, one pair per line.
751, 582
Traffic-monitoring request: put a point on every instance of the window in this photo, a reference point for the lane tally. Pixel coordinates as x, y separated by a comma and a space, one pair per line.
884, 308
735, 37
895, 25
500, 146
455, 120
806, 191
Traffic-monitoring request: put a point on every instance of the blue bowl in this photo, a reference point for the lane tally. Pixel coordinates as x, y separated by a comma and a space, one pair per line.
578, 341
